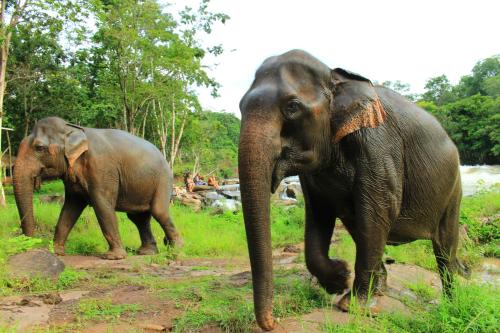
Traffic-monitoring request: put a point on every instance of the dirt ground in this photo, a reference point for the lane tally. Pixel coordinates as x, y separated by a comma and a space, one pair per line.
58, 310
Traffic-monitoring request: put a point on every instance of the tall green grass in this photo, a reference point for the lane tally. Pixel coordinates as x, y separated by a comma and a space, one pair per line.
472, 309
204, 234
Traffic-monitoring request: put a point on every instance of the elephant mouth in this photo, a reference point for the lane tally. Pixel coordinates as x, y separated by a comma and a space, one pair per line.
286, 166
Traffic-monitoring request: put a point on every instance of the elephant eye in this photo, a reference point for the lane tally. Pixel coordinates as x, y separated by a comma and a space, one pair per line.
39, 147
292, 109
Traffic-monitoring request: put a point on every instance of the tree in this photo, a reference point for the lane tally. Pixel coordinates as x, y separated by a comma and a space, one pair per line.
476, 83
401, 88
438, 90
147, 64
15, 10
18, 12
473, 125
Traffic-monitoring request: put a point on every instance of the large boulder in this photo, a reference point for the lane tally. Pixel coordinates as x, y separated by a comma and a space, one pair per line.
35, 263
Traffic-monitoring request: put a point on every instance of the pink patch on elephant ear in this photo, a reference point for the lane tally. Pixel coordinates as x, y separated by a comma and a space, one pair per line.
371, 115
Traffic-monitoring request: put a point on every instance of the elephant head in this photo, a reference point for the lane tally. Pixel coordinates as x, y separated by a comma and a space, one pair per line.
49, 151
296, 110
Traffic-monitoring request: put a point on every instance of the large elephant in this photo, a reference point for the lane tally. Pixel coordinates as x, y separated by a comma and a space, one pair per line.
364, 154
111, 170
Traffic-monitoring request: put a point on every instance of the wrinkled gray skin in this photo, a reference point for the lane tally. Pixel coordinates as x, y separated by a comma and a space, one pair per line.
364, 154
111, 170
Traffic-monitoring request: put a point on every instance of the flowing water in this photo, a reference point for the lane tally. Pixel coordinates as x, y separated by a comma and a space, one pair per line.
478, 177
474, 179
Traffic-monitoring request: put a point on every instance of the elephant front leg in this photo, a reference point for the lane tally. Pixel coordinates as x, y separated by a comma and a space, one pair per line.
370, 237
71, 211
332, 274
106, 217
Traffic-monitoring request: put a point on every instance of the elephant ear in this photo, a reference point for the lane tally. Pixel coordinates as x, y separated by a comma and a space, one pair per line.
355, 104
75, 144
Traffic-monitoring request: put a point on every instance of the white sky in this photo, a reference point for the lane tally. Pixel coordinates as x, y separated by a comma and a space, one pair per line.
410, 41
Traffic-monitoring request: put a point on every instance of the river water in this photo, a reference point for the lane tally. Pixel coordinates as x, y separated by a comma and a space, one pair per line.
474, 178
477, 177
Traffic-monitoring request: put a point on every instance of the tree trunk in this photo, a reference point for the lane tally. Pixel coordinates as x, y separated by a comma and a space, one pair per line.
178, 140
172, 135
4, 53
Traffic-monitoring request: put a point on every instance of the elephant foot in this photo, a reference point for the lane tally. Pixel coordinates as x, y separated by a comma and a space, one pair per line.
176, 242
336, 279
381, 286
59, 250
364, 304
147, 249
115, 254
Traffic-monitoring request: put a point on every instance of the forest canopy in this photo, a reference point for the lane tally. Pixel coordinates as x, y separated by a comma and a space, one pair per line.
138, 64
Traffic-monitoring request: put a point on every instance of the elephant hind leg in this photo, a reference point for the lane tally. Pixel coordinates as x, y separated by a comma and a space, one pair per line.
143, 224
445, 244
160, 212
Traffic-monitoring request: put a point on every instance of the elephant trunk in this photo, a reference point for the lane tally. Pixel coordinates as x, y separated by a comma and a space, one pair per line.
256, 163
25, 173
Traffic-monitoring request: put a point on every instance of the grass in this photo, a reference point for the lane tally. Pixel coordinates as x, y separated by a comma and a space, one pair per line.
196, 229
218, 301
104, 309
473, 308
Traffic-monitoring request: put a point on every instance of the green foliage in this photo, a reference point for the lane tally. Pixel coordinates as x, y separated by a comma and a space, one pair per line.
69, 277
104, 309
438, 90
481, 216
473, 125
469, 111
294, 295
473, 308
20, 244
136, 71
211, 142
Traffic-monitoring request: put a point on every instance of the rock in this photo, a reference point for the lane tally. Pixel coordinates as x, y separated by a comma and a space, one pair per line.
213, 196
240, 279
198, 188
153, 327
192, 202
236, 195
291, 249
48, 198
27, 301
235, 187
231, 181
389, 260
227, 204
35, 263
293, 190
53, 298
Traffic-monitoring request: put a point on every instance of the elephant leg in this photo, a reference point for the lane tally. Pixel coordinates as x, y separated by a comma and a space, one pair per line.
106, 217
445, 244
332, 274
71, 211
161, 214
143, 224
380, 286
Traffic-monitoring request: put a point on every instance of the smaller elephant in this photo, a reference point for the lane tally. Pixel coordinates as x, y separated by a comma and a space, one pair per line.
109, 169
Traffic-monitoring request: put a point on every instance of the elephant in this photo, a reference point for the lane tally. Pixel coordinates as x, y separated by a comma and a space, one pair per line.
364, 154
109, 169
